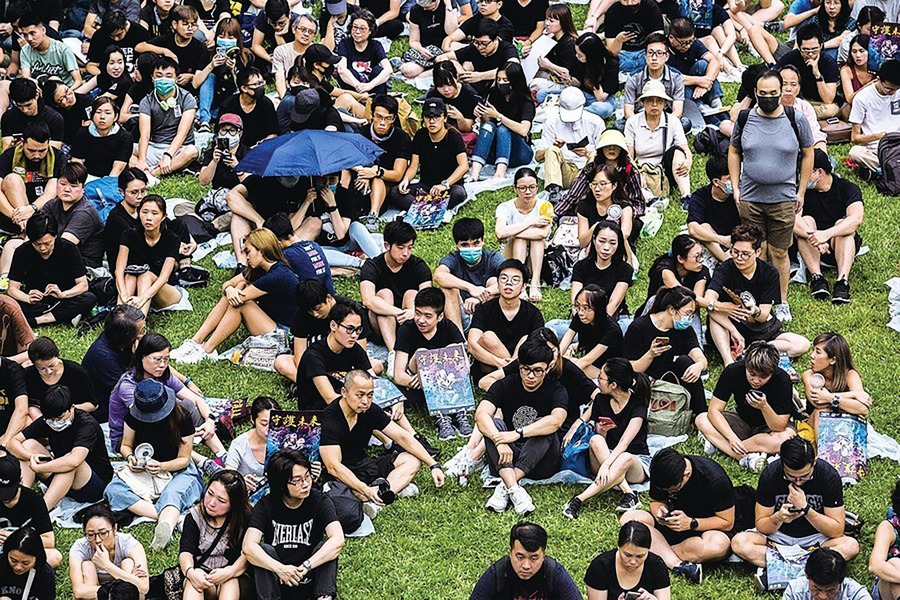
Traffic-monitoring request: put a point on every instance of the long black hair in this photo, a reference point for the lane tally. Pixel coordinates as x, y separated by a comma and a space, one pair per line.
619, 371
619, 254
840, 21
150, 343
597, 56
682, 244
518, 86
597, 298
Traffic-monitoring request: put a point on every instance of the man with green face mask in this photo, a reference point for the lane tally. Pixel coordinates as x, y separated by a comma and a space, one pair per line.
467, 276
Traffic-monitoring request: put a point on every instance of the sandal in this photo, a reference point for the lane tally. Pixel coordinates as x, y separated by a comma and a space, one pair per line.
532, 296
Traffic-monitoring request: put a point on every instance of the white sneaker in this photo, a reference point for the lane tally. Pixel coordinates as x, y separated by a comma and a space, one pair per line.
708, 447
371, 510
410, 491
499, 500
783, 312
755, 462
390, 364
521, 501
189, 353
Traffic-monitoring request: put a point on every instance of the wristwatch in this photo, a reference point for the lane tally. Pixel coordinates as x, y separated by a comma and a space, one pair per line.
435, 466
446, 184
820, 78
835, 402
306, 564
711, 307
380, 172
521, 432
694, 524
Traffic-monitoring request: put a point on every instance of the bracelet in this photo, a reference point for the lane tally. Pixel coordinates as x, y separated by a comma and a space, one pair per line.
435, 466
187, 381
188, 570
167, 153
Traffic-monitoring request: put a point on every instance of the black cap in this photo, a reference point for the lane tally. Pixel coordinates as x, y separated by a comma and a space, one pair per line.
305, 103
317, 53
434, 107
10, 474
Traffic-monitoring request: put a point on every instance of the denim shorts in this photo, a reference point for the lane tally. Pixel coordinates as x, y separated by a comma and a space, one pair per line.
183, 491
90, 492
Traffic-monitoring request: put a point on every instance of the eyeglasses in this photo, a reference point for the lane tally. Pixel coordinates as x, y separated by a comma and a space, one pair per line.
360, 28
599, 185
810, 50
527, 188
98, 535
307, 30
352, 330
582, 308
300, 480
481, 43
189, 24
681, 43
657, 53
159, 361
799, 479
742, 254
536, 371
515, 280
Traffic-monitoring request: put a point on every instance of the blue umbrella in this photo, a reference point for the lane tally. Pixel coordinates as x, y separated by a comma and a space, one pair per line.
309, 152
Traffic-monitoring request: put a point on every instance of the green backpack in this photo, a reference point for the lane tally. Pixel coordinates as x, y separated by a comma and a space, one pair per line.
670, 408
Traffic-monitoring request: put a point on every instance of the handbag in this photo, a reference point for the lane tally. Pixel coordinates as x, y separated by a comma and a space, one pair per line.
575, 454
169, 585
147, 487
670, 407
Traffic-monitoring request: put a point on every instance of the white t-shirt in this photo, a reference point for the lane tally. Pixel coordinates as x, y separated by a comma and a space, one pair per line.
240, 457
650, 144
874, 112
125, 544
508, 214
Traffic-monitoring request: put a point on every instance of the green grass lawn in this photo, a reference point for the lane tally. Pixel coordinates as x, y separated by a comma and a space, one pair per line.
437, 545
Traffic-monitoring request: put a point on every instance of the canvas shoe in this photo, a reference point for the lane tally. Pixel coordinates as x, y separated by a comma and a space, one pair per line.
445, 428
390, 364
189, 352
371, 222
754, 461
629, 502
818, 287
499, 500
521, 501
572, 508
708, 448
461, 422
371, 510
783, 312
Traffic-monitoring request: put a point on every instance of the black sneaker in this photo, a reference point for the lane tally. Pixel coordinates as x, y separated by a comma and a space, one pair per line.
445, 428
841, 293
461, 422
693, 572
818, 287
434, 452
554, 193
685, 202
629, 502
572, 508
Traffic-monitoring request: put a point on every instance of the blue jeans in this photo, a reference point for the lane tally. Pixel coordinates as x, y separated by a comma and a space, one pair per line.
699, 69
501, 146
631, 61
207, 91
183, 491
604, 109
359, 238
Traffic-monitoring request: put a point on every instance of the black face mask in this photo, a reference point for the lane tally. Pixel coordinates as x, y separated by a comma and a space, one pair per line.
296, 89
768, 104
504, 88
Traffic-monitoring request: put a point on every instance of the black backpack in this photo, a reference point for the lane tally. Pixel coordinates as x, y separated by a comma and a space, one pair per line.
502, 571
711, 141
888, 183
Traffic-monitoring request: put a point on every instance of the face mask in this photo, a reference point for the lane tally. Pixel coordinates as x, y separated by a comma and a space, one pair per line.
471, 255
225, 45
768, 104
258, 92
333, 187
164, 85
59, 425
683, 323
297, 89
232, 138
504, 88
811, 184
288, 181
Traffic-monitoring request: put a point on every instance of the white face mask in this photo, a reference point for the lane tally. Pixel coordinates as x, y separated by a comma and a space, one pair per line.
59, 424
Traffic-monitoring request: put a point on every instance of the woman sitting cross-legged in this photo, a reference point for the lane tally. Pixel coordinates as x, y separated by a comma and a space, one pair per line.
148, 256
261, 298
618, 449
599, 335
105, 554
832, 382
156, 419
247, 453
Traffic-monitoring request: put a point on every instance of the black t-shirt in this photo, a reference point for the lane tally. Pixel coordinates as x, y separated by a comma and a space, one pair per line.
192, 57
413, 273
30, 172
99, 153
268, 196
608, 80
524, 18
517, 111
353, 442
312, 329
259, 123
465, 102
431, 24
828, 207
823, 490
397, 145
601, 575
212, 14
294, 533
84, 432
642, 332
536, 587
12, 385
668, 263
156, 26
828, 68
506, 33
522, 407
563, 53
410, 339
642, 20
269, 37
703, 208
602, 407
159, 435
489, 317
118, 221
74, 377
225, 176
141, 253
733, 383
590, 336
586, 272
685, 61
101, 41
30, 510
365, 64
76, 116
137, 91
320, 360
579, 388
437, 160
708, 491
505, 52
280, 286
14, 121
12, 586
117, 88
62, 267
764, 286
190, 541
324, 116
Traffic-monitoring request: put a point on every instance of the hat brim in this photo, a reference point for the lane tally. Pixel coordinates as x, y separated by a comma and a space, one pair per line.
7, 493
158, 415
570, 115
663, 96
336, 8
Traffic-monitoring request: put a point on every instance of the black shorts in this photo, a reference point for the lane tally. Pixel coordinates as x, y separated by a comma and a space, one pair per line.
829, 259
676, 537
371, 468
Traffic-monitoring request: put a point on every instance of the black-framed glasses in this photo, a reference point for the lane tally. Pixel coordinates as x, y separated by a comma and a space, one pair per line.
799, 479
536, 371
742, 253
352, 330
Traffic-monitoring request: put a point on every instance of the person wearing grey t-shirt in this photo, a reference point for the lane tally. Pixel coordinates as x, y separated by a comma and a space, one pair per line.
825, 577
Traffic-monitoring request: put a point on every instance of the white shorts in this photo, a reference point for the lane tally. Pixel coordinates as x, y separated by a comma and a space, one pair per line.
816, 539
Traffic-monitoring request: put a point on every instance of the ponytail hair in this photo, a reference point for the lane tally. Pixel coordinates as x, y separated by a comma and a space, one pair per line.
674, 297
619, 371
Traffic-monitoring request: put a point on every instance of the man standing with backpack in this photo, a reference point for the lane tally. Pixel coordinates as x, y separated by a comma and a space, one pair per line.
768, 179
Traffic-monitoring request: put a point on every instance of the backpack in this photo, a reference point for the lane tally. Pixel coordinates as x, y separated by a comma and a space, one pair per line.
744, 508
792, 118
501, 577
889, 158
711, 141
558, 265
670, 408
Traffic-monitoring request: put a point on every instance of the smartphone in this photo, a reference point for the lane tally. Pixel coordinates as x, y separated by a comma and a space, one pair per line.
664, 340
222, 144
44, 458
606, 422
582, 144
795, 510
632, 595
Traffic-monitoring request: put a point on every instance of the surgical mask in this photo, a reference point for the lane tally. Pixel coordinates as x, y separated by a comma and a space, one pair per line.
259, 92
288, 181
232, 138
224, 46
683, 323
471, 255
164, 85
811, 184
768, 104
59, 425
504, 87
333, 187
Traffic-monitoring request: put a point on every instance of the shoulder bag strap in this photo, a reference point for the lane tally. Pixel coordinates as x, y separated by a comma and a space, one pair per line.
199, 562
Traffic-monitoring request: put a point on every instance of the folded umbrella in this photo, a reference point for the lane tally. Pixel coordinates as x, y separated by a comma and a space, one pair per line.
309, 152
